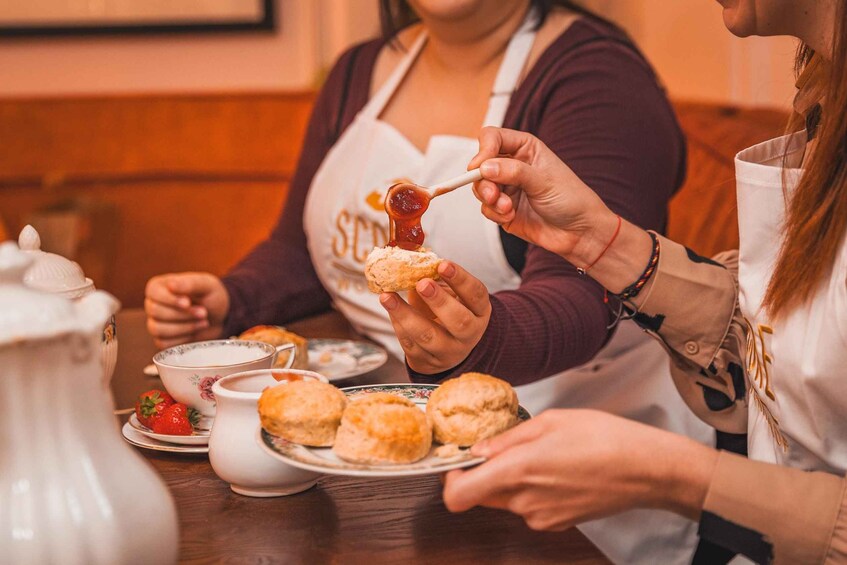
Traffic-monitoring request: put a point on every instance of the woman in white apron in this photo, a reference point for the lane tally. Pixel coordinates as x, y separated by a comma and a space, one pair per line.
773, 363
343, 220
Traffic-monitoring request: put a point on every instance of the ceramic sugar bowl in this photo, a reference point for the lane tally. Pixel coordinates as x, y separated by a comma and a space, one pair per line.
72, 490
57, 275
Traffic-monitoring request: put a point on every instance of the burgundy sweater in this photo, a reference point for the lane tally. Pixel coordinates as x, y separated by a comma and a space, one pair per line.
594, 100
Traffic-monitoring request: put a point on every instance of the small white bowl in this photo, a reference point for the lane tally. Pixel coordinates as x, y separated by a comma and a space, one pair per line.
233, 452
189, 371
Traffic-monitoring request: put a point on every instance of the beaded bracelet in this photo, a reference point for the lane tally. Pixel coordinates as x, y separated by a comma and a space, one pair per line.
632, 290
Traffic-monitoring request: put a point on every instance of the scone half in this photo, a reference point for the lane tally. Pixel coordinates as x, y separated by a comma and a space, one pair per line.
392, 269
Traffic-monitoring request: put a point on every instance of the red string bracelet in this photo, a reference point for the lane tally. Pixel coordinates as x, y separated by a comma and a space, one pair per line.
584, 271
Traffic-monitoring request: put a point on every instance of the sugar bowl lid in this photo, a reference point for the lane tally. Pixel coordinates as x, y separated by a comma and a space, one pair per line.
27, 313
51, 272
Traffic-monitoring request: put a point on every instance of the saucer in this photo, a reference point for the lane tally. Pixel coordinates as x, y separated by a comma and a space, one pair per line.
139, 440
200, 437
338, 359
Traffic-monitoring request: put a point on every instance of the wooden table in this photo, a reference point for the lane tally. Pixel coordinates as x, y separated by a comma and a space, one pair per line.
341, 520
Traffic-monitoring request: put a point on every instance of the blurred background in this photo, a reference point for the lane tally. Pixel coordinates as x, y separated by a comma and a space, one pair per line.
142, 153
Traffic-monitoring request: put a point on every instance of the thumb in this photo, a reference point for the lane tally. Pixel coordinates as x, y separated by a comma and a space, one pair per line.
520, 434
192, 284
511, 172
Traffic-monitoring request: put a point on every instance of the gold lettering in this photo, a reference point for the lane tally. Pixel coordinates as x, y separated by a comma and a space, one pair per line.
758, 358
380, 235
360, 254
343, 218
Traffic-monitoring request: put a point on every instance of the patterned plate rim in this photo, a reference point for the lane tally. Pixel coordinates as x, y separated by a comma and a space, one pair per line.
160, 446
305, 457
355, 371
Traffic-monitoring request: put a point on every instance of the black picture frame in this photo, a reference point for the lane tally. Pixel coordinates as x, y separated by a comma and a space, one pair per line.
268, 23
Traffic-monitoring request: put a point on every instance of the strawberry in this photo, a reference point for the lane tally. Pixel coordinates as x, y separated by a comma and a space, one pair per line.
176, 420
150, 405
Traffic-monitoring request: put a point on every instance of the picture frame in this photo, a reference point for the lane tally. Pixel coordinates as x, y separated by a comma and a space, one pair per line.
27, 18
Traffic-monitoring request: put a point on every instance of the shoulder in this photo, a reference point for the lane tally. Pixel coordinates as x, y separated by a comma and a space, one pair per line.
591, 50
356, 61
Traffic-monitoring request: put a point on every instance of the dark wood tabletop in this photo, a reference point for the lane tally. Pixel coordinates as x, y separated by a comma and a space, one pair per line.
341, 520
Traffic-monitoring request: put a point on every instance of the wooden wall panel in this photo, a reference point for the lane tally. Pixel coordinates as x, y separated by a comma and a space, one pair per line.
703, 213
196, 181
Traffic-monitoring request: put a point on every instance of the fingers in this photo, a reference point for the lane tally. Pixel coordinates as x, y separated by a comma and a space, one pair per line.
160, 312
192, 284
469, 289
499, 141
520, 434
414, 330
159, 290
486, 484
506, 171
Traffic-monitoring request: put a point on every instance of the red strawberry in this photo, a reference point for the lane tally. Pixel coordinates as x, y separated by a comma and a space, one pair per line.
150, 405
176, 420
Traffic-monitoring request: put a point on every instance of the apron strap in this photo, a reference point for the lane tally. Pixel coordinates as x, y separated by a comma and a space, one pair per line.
376, 104
513, 64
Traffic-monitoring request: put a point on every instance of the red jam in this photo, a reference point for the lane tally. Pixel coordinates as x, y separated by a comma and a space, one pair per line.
405, 206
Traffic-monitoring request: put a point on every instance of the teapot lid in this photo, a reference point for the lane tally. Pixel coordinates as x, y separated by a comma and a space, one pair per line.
27, 313
52, 272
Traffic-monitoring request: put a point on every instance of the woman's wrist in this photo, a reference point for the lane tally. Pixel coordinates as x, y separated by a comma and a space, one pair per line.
615, 251
682, 470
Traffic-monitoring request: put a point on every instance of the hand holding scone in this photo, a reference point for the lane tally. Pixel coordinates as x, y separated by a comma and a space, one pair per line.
433, 346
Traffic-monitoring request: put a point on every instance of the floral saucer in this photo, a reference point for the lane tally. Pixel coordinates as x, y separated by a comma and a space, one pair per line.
338, 359
132, 436
199, 437
324, 460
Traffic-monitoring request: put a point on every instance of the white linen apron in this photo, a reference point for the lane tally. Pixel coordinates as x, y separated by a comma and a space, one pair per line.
796, 365
344, 219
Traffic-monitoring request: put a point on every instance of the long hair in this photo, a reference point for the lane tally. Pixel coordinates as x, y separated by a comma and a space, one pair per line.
394, 15
816, 215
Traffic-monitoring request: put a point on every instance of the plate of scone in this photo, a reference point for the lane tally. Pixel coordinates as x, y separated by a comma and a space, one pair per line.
389, 430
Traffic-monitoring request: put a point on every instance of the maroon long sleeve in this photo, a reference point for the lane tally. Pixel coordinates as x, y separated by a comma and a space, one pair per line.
593, 100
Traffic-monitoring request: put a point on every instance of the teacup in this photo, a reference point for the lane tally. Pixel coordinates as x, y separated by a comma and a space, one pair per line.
234, 452
189, 371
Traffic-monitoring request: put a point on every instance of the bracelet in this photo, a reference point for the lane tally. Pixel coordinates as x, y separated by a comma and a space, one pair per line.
632, 290
584, 271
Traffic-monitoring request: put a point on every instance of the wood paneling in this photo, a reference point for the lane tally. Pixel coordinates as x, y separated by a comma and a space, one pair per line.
703, 212
196, 181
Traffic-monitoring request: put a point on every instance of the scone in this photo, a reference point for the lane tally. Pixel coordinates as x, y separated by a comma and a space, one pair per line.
383, 428
306, 412
275, 336
471, 408
391, 269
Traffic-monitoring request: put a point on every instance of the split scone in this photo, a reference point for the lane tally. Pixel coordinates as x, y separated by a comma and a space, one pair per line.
392, 269
383, 428
275, 336
471, 408
306, 412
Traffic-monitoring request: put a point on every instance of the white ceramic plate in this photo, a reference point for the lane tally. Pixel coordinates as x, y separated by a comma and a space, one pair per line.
200, 437
342, 358
139, 440
323, 460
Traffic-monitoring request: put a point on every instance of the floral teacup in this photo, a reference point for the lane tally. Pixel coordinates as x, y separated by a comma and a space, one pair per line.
189, 371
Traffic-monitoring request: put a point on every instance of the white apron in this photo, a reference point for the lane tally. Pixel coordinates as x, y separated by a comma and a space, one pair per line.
797, 365
344, 219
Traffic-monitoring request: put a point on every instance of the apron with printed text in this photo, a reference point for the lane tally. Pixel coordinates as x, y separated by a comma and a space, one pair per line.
345, 219
796, 365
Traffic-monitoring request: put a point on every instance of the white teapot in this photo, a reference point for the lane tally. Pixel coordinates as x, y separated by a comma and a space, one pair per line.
57, 275
71, 490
